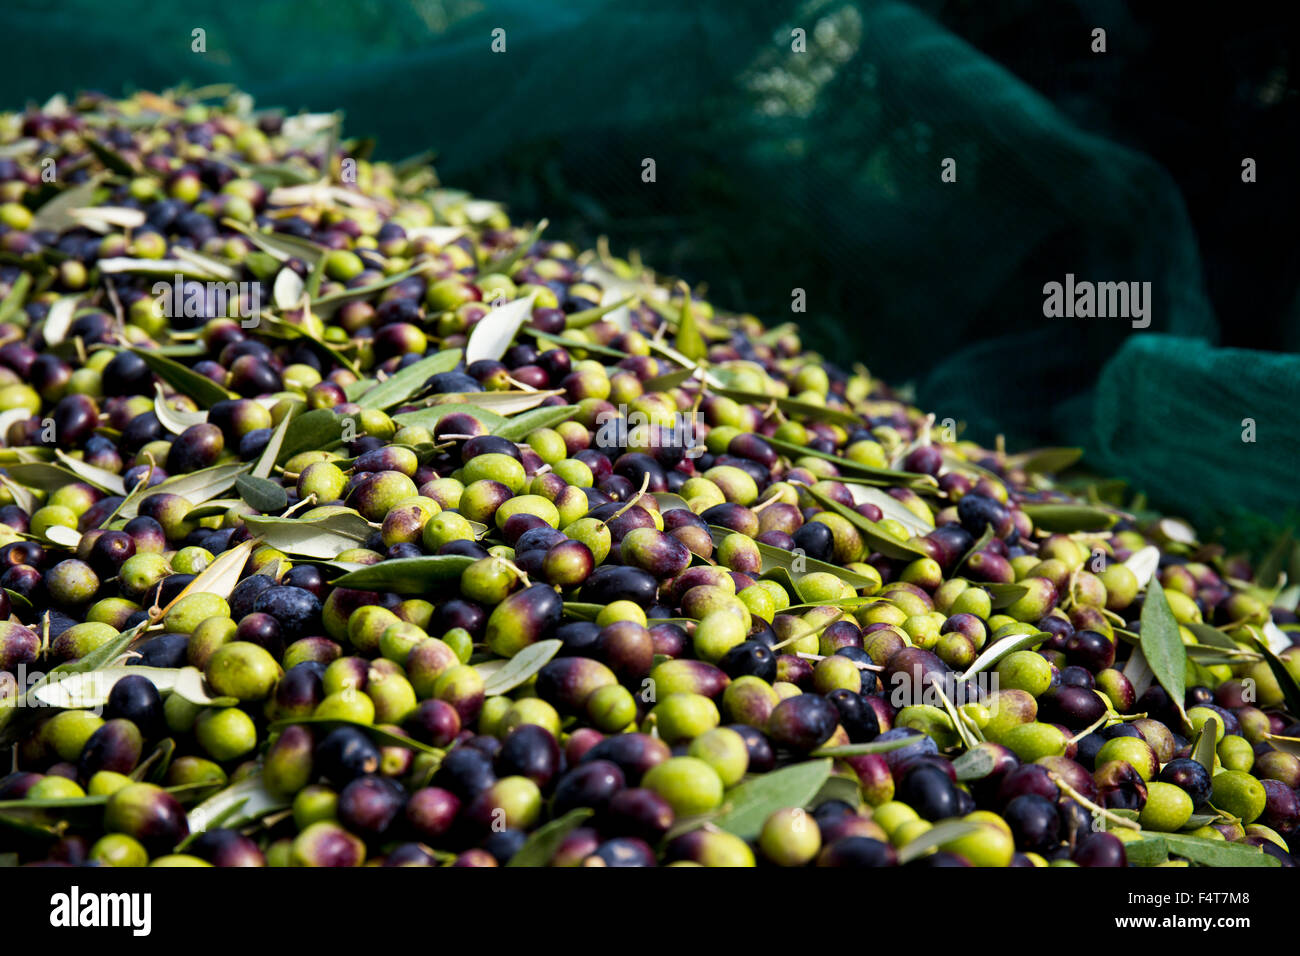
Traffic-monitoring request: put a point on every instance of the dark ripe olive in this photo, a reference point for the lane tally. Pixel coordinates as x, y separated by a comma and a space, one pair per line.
910, 671
18, 646
226, 848
431, 811
1281, 807
523, 618
297, 610
458, 423
344, 754
1120, 786
793, 670
628, 649
212, 370
753, 447
198, 447
599, 463
1190, 776
251, 376
135, 698
518, 525
839, 634
459, 613
762, 758
298, 692
621, 525
802, 723
634, 754
529, 751
169, 512
1088, 748
637, 812
928, 791
262, 630
1089, 650
856, 716
254, 443
858, 851
976, 512
109, 551
1027, 778
1100, 850
24, 580
309, 578
638, 467
142, 430
816, 540
504, 844
751, 658
1034, 821
15, 785
670, 640
610, 583
1075, 707
660, 554
622, 852
245, 593
165, 650
150, 814
127, 374
1075, 676
75, 418
567, 682
469, 549
592, 783
567, 564
489, 445
368, 805
733, 517
16, 518
22, 552
388, 458
465, 772
49, 376
116, 745
1073, 773
485, 743
947, 544
434, 722
579, 638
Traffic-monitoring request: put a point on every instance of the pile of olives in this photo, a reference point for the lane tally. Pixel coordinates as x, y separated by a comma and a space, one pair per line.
344, 522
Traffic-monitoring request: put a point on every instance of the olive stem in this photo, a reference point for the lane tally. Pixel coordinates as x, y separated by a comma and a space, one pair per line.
1095, 808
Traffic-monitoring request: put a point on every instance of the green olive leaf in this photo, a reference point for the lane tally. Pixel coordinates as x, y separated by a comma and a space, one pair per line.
1216, 852
89, 689
520, 427
380, 735
503, 676
857, 750
840, 786
428, 417
877, 538
1046, 461
1162, 645
407, 575
1004, 595
278, 244
1151, 850
688, 340
316, 430
1069, 518
793, 408
1203, 752
574, 345
495, 332
196, 487
185, 380
407, 382
16, 297
543, 842
266, 463
580, 320
507, 262
1000, 649
324, 536
262, 493
747, 805
237, 805
935, 837
975, 764
885, 476
792, 564
1211, 636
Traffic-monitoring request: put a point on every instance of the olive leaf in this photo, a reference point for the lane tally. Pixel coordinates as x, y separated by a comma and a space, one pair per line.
501, 403
174, 420
311, 431
1203, 751
63, 536
751, 802
185, 380
266, 463
1148, 851
288, 289
507, 262
154, 767
669, 380
41, 475
23, 498
975, 764
322, 536
885, 475
496, 331
1290, 745
857, 750
59, 319
407, 382
518, 428
935, 837
1138, 671
1046, 461
793, 408
327, 304
111, 159
1211, 636
279, 244
407, 575
189, 686
106, 653
1000, 649
1271, 568
840, 786
99, 477
1216, 852
235, 806
16, 297
503, 676
1069, 518
428, 417
777, 558
1162, 645
876, 537
543, 842
1285, 680
262, 493
196, 487
573, 345
1004, 595
891, 507
56, 213
580, 320
219, 577
89, 689
688, 340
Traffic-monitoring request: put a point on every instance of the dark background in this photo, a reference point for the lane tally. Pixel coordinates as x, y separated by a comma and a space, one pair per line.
820, 171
